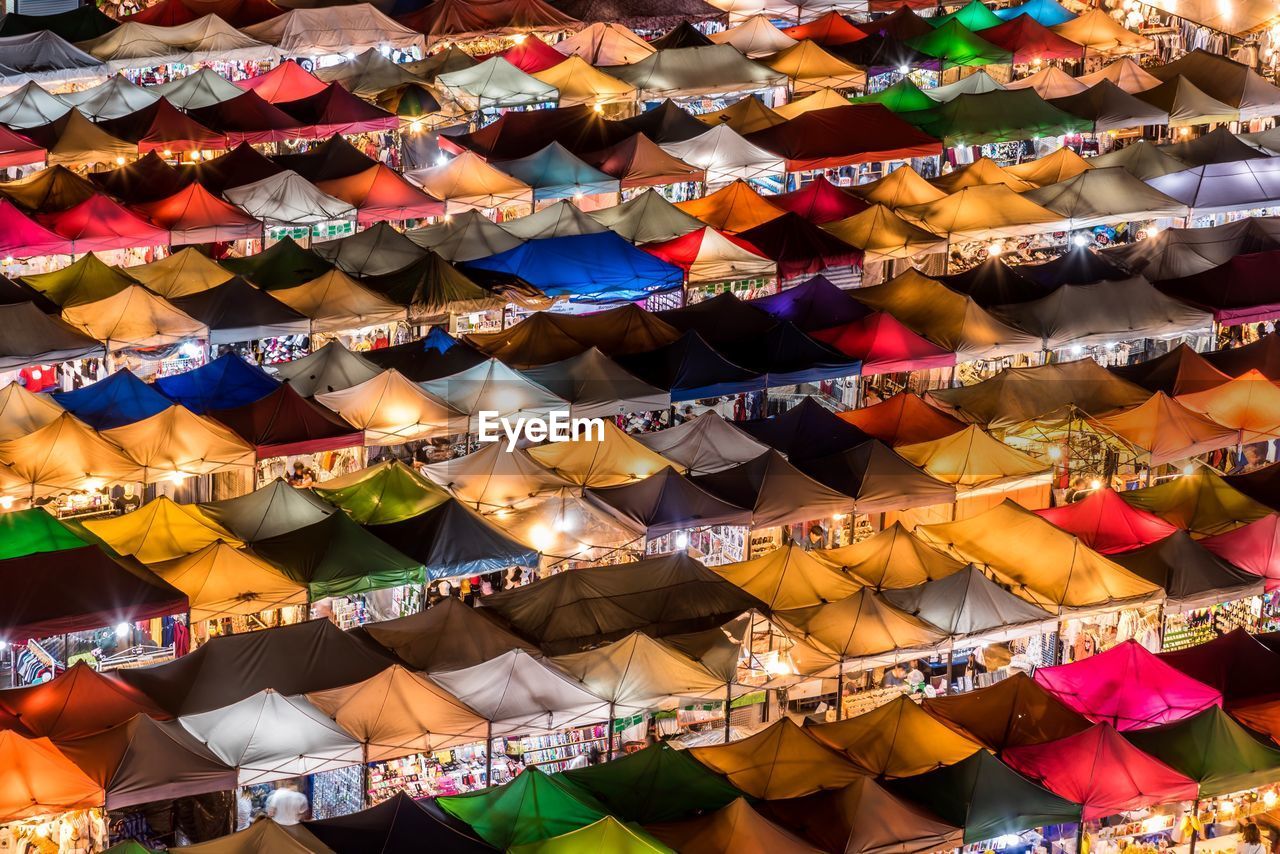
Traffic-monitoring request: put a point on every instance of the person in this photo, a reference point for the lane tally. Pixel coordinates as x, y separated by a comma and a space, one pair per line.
301, 476
287, 806
895, 678
1250, 840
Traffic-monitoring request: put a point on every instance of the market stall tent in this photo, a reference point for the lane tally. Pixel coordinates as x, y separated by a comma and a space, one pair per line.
1191, 575
203, 88
288, 199
63, 454
260, 836
176, 443
903, 419
659, 783
221, 580
160, 530
967, 604
447, 636
237, 311
118, 399
493, 478
1013, 712
1108, 108
780, 761
705, 444
396, 823
330, 30
1180, 371
1105, 523
23, 412
1213, 750
1050, 82
897, 739
183, 273
223, 383
1251, 547
1166, 430
1235, 663
42, 780
862, 627
711, 69
638, 162
527, 809
1100, 33
756, 37
638, 673
1201, 503
284, 422
605, 43
734, 827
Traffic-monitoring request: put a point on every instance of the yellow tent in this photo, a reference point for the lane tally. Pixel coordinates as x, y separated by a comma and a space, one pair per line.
789, 577
467, 181
493, 478
391, 410
221, 580
160, 530
580, 83
1061, 165
902, 187
1166, 429
862, 627
185, 272
983, 172
892, 559
736, 827
881, 233
899, 739
746, 115
1101, 33
781, 761
617, 460
1248, 404
134, 317
810, 68
398, 713
1038, 561
972, 458
336, 302
176, 443
1201, 503
982, 213
823, 99
66, 454
733, 208
22, 412
639, 673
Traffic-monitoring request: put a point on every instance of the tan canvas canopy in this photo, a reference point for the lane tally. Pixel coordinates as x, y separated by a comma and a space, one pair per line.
972, 458
983, 213
1201, 503
1050, 169
391, 410
892, 559
736, 827
789, 577
494, 478
221, 580
983, 172
259, 838
22, 412
335, 302
617, 460
862, 627
467, 181
604, 44
902, 187
134, 317
1125, 73
1166, 429
187, 271
176, 443
809, 68
756, 37
781, 761
65, 454
899, 739
581, 83
640, 673
1101, 33
880, 234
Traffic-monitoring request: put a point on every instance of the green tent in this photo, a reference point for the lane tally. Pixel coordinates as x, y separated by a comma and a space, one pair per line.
383, 493
902, 97
606, 835
430, 288
1001, 116
87, 280
29, 532
336, 557
975, 16
530, 808
955, 44
129, 846
985, 797
656, 784
1213, 750
283, 265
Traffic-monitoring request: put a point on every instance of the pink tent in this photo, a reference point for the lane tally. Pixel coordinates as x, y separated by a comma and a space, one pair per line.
1102, 771
22, 237
1106, 523
1254, 547
1127, 687
99, 223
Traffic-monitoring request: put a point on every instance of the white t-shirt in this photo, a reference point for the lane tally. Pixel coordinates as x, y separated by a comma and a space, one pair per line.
1250, 848
286, 806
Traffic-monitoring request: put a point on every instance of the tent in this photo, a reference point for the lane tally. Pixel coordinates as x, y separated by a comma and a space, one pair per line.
519, 134
725, 156
605, 43
755, 36
120, 398
64, 454
1050, 13
74, 140
1043, 564
465, 236
1180, 371
466, 181
209, 38
1201, 503
223, 383
242, 165
86, 280
329, 30
578, 82
1003, 115
956, 45
813, 304
447, 636
967, 604
532, 55
161, 127
706, 70
1261, 356
638, 673
638, 162
1259, 484
877, 479
784, 355
1251, 548
1105, 523
656, 784
596, 386
288, 199
902, 97
1231, 82
883, 345
804, 431
451, 540
1235, 663
897, 739
1126, 74
366, 75
863, 628
159, 530
396, 823
732, 209
1217, 146
530, 808
1107, 107
335, 302
493, 478
45, 57
194, 215
818, 139
903, 419
237, 311
334, 111
554, 172
1166, 429
1190, 574
705, 444
977, 83
981, 172
23, 412
1141, 160
494, 84
546, 337
238, 13
900, 188
1187, 104
380, 194
77, 702
974, 16
1101, 196
42, 780
187, 271
665, 502
98, 224
1102, 34
735, 827
780, 761
607, 834
1031, 41
74, 25
30, 106
391, 410
881, 234
265, 835
691, 369
1248, 404
176, 443
1212, 750
709, 256
1011, 713
490, 385
220, 580
980, 213
1049, 82
808, 68
821, 202
17, 150
284, 422
203, 88
454, 20
250, 118
789, 577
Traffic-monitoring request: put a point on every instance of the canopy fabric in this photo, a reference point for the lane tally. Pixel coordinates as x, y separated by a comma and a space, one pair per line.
1258, 484
897, 739
187, 271
1141, 160
1031, 41
775, 491
1180, 371
331, 29
383, 493
204, 88
284, 423
547, 337
1101, 196
1126, 74
780, 761
1228, 81
732, 209
813, 304
1049, 83
450, 540
596, 386
656, 784
1166, 429
119, 399
74, 140
967, 604
725, 156
707, 70
447, 636
1245, 404
810, 68
98, 223
42, 780
223, 383
1187, 104
977, 83
336, 302
981, 172
883, 345
392, 410
1011, 713
1106, 523
890, 559
160, 530
789, 577
555, 172
1217, 146
493, 84
821, 202
1235, 663
397, 822
956, 45
220, 580
62, 455
1190, 574
1047, 12
53, 189
366, 75
735, 827
465, 236
288, 199
490, 385
638, 673
878, 479
704, 445
605, 43
578, 82
1201, 503
1211, 749
755, 36
1250, 547
986, 798
971, 458
902, 97
831, 30
86, 280
1235, 290
986, 212
194, 215
882, 234
1043, 564
804, 431
31, 105
529, 808
639, 162
237, 311
177, 443
493, 478
22, 412
863, 627
902, 187
1109, 107
461, 19
692, 369
665, 502
817, 139
1100, 33
999, 116
903, 419
77, 702
265, 835
708, 255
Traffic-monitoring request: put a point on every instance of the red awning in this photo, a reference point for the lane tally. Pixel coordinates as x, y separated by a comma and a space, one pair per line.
23, 237
533, 55
251, 118
288, 81
237, 13
379, 194
1029, 41
1107, 523
840, 136
162, 127
98, 224
885, 346
336, 111
821, 202
831, 30
194, 215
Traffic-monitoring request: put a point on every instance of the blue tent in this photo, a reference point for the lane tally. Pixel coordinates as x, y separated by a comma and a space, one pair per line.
224, 383
120, 399
1048, 13
451, 541
555, 172
691, 369
589, 267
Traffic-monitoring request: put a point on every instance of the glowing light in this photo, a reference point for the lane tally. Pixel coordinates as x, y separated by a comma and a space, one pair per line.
1080, 240
541, 538
1055, 453
176, 476
1269, 798
120, 161
195, 155
122, 630
6, 502
93, 484
599, 108
682, 540
1095, 484
904, 69
1077, 350
1227, 808
441, 160
168, 153
1188, 469
778, 668
519, 38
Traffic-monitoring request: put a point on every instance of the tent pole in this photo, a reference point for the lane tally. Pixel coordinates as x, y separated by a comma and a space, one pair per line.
609, 751
840, 689
488, 754
1195, 815
728, 700
1080, 837
951, 660
366, 779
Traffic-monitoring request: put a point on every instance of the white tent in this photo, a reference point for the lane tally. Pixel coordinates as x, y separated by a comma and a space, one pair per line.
204, 88
328, 30
604, 44
392, 410
495, 479
494, 387
331, 368
206, 39
495, 83
116, 97
559, 219
31, 106
647, 218
288, 199
726, 156
756, 37
639, 673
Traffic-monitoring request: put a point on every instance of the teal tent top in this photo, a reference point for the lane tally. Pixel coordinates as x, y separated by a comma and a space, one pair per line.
1213, 750
1004, 115
1048, 13
902, 97
956, 44
974, 16
531, 807
555, 172
656, 784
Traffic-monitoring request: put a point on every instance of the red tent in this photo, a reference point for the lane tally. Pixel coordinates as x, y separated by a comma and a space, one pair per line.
194, 215
1102, 771
79, 702
98, 224
250, 118
800, 247
379, 194
885, 346
162, 127
1254, 547
23, 237
1107, 523
904, 419
532, 55
1127, 687
821, 202
903, 24
687, 249
841, 136
284, 422
1237, 664
336, 111
1029, 40
288, 81
831, 30
237, 13
18, 150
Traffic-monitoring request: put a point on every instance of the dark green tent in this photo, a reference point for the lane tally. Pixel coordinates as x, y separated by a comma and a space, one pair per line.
656, 784
955, 44
1000, 116
985, 797
270, 510
284, 265
902, 97
85, 281
1213, 750
531, 807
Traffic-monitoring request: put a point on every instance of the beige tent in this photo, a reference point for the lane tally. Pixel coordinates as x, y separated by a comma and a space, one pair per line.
862, 627
580, 83
1166, 429
881, 234
160, 530
1040, 562
984, 213
22, 412
746, 115
398, 713
899, 739
1061, 165
467, 181
892, 559
902, 187
187, 271
811, 68
494, 478
756, 37
175, 443
1126, 74
134, 317
605, 44
221, 580
1049, 82
617, 460
823, 99
65, 454
335, 302
1101, 33
391, 410
639, 673
562, 526
983, 172
262, 837
789, 577
736, 827
971, 458
782, 761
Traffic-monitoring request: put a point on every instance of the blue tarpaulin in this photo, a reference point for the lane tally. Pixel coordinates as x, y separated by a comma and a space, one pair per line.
225, 382
555, 173
1048, 13
119, 399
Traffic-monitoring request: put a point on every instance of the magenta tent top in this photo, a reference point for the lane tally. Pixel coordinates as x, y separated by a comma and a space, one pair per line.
1107, 523
99, 223
23, 237
1128, 687
1102, 771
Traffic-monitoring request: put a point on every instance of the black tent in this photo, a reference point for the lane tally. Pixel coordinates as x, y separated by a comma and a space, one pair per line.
449, 635
147, 179
723, 319
806, 430
1079, 265
665, 502
399, 825
431, 358
877, 479
1235, 663
691, 369
28, 336
333, 158
451, 540
236, 311
994, 282
1190, 574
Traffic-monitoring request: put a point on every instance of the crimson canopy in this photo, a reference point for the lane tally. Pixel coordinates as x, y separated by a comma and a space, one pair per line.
334, 110
884, 345
285, 423
250, 118
162, 127
840, 136
379, 194
237, 13
1029, 40
194, 215
288, 81
98, 224
1107, 523
821, 202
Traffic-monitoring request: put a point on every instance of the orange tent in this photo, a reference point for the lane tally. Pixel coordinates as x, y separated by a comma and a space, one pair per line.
782, 761
893, 559
904, 419
1248, 404
1166, 429
735, 208
39, 780
899, 739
